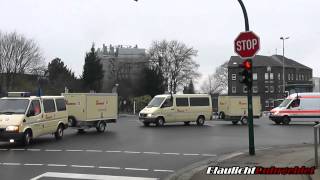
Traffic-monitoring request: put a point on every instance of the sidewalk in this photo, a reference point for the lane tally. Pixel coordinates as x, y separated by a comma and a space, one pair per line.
281, 156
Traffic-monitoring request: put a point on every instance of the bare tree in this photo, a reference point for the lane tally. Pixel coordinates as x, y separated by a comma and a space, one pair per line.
217, 83
18, 55
175, 61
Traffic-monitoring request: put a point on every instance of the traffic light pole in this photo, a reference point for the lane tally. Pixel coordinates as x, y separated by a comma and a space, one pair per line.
250, 112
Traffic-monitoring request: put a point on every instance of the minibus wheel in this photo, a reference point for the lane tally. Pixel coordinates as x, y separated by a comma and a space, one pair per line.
27, 137
244, 120
59, 133
160, 121
187, 123
285, 120
277, 121
200, 121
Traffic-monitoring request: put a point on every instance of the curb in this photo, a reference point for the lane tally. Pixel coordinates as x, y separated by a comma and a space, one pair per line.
189, 171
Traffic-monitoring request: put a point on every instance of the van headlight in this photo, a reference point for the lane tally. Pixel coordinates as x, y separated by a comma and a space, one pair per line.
149, 115
12, 128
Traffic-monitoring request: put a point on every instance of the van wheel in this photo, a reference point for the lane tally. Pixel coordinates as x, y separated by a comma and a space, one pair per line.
146, 124
244, 120
101, 126
277, 122
59, 133
285, 120
72, 122
200, 121
27, 137
235, 122
81, 131
160, 121
187, 123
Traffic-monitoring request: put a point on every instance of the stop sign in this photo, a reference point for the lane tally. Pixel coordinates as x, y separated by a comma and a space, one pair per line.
247, 44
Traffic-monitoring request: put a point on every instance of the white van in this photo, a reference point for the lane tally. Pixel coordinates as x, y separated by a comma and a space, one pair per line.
177, 108
303, 107
24, 117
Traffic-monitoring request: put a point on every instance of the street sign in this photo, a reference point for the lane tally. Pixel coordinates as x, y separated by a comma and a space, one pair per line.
247, 44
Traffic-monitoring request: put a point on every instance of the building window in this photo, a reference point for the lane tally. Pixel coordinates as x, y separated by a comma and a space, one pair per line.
292, 77
279, 89
234, 89
255, 76
255, 89
245, 89
279, 76
271, 76
234, 77
266, 88
289, 77
266, 103
271, 89
266, 76
271, 103
302, 77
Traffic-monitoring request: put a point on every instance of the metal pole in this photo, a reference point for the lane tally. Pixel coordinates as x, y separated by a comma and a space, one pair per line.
283, 80
315, 147
250, 112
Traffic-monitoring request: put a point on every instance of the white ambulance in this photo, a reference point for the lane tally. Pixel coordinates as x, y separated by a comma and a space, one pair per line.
24, 117
300, 107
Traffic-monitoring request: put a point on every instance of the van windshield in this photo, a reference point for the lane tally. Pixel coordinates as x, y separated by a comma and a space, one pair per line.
156, 102
285, 103
13, 106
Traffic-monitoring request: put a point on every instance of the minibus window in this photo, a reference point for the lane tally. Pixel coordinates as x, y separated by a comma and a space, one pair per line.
156, 102
34, 108
13, 106
167, 103
295, 103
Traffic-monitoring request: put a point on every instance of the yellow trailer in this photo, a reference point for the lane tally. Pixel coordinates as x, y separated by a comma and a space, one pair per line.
235, 108
86, 110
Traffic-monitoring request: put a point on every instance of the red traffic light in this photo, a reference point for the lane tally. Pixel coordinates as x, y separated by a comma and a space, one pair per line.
247, 64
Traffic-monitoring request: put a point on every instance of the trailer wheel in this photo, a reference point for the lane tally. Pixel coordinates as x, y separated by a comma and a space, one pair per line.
72, 122
81, 131
235, 122
244, 120
101, 127
221, 115
285, 120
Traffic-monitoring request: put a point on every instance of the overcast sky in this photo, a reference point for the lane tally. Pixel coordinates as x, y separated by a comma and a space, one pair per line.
66, 28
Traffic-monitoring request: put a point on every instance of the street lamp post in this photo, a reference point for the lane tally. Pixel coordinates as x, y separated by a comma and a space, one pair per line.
283, 77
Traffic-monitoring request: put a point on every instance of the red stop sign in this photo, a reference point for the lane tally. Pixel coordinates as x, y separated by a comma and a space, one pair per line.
247, 44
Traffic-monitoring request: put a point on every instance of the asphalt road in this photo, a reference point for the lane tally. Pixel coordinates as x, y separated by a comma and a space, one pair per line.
128, 149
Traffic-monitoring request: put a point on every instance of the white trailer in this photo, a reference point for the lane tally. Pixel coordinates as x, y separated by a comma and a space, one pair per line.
235, 108
86, 110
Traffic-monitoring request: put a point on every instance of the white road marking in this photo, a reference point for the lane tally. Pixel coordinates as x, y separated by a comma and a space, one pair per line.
80, 166
163, 170
74, 150
113, 151
151, 153
3, 149
57, 165
33, 164
53, 150
136, 169
88, 176
33, 149
106, 167
186, 154
12, 164
89, 150
17, 149
171, 153
132, 152
208, 155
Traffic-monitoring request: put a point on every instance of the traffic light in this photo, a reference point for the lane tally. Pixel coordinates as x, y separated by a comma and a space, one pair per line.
246, 74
